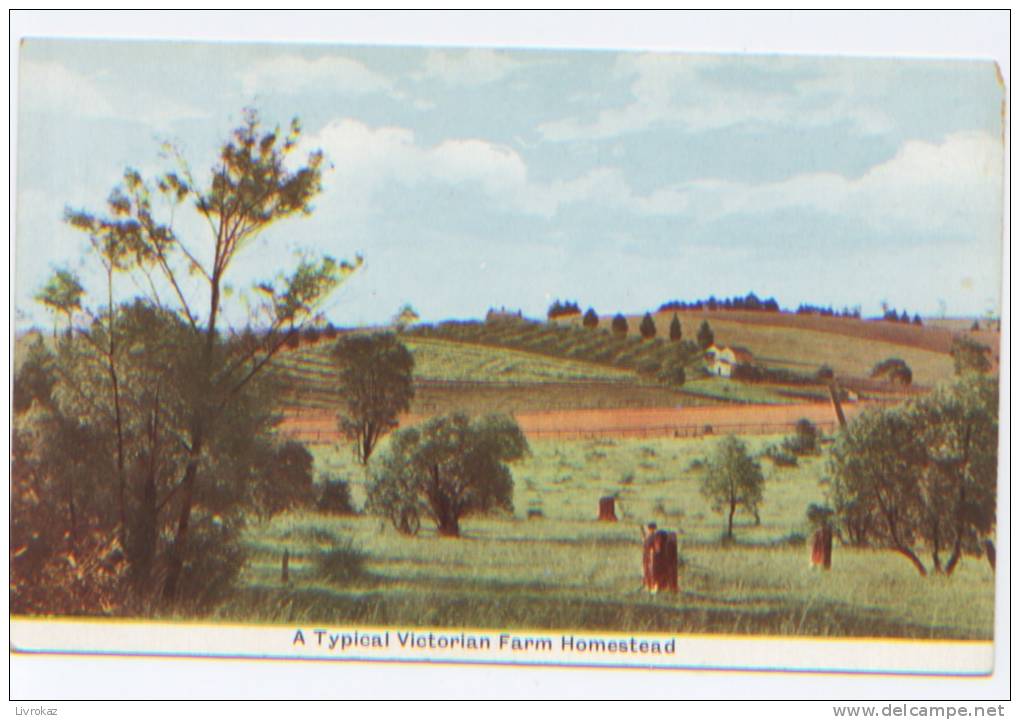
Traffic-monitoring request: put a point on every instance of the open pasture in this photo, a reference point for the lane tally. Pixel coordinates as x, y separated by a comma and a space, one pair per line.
564, 570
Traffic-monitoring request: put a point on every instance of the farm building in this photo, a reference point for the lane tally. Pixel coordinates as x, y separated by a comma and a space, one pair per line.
721, 359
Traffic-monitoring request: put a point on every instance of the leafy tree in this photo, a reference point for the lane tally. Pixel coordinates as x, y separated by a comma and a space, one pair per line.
445, 469
676, 332
376, 374
253, 184
705, 335
923, 472
969, 356
62, 294
620, 325
647, 327
733, 479
591, 319
895, 370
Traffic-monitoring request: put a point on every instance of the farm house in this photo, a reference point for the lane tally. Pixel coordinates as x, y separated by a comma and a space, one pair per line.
720, 359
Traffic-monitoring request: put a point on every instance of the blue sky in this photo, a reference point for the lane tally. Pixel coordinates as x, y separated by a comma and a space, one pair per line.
477, 178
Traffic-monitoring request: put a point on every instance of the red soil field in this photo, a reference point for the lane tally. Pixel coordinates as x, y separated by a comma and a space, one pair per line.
314, 426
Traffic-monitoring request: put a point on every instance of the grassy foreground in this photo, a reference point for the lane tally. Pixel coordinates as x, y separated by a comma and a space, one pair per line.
566, 571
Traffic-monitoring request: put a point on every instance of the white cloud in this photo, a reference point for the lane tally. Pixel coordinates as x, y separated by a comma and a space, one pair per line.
294, 74
687, 91
54, 88
367, 158
953, 186
51, 87
477, 66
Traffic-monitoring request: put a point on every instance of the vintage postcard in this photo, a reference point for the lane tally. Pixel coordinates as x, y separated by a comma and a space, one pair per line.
507, 357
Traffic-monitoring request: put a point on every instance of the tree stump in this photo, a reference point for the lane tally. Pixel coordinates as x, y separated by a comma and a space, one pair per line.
607, 509
821, 548
659, 560
285, 569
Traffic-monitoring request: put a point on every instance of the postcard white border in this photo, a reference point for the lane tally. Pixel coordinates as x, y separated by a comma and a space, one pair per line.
926, 34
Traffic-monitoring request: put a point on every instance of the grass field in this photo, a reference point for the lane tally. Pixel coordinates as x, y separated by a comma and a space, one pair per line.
567, 571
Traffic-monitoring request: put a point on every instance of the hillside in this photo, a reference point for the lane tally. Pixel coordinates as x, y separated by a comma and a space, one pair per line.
805, 342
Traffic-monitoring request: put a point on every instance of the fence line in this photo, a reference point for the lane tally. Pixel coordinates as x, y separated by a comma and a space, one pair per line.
323, 437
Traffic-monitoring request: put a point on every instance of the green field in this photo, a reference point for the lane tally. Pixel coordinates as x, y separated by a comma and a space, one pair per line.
564, 570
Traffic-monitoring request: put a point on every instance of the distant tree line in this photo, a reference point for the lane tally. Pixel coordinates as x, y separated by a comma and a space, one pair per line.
846, 312
891, 315
563, 308
747, 302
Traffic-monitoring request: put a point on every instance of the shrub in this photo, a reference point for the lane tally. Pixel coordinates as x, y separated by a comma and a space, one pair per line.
341, 563
894, 370
620, 325
591, 319
780, 456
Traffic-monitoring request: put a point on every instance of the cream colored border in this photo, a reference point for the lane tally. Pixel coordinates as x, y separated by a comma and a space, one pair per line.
702, 652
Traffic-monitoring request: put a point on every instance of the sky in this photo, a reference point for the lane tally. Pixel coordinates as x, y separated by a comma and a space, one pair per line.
478, 178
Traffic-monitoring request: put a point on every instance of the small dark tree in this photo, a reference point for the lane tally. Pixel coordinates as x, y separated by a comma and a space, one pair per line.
376, 381
733, 479
804, 441
447, 468
894, 370
676, 332
969, 356
591, 319
705, 335
620, 325
647, 327
917, 319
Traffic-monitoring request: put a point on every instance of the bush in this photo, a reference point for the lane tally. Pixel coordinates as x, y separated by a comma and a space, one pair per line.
780, 456
214, 557
894, 370
335, 498
341, 563
805, 439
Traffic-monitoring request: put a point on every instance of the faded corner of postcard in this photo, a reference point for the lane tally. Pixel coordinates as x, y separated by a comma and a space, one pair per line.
603, 359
